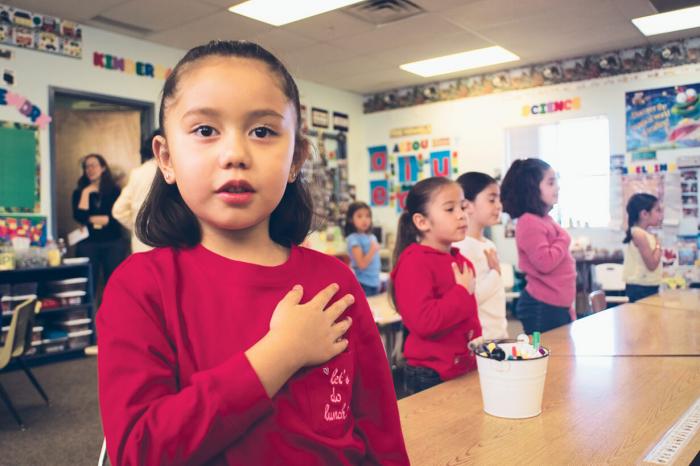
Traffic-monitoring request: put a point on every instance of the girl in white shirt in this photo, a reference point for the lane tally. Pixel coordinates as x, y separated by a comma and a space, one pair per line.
642, 267
483, 207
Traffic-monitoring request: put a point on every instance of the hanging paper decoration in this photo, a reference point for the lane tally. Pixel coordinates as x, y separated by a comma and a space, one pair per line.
409, 169
440, 163
649, 57
28, 30
377, 158
379, 193
129, 66
25, 107
319, 117
341, 121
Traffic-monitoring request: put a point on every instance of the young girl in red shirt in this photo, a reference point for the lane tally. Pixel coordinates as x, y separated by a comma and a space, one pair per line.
229, 343
433, 285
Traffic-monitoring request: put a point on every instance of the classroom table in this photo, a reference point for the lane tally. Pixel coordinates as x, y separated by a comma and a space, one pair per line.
595, 410
675, 299
389, 323
383, 310
629, 330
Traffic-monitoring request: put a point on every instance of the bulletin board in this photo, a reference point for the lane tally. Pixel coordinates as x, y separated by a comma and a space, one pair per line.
19, 168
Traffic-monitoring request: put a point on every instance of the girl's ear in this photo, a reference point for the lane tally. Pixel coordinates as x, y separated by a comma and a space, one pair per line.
421, 222
470, 207
302, 152
162, 155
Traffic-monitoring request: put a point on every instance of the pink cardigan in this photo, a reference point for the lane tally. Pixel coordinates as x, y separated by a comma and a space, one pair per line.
543, 251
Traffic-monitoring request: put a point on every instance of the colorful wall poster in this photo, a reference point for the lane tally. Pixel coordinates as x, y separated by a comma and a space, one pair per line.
440, 163
30, 226
408, 169
379, 193
401, 195
664, 118
378, 158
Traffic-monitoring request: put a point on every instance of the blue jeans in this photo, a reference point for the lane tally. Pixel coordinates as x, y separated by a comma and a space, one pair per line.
370, 290
420, 378
637, 292
537, 316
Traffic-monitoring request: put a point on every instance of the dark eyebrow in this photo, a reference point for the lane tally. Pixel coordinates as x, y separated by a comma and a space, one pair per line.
212, 112
264, 113
206, 111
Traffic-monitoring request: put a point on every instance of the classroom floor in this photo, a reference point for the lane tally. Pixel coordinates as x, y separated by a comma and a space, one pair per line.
66, 433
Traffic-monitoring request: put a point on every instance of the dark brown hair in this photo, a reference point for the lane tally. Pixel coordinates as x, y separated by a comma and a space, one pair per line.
636, 204
354, 207
520, 189
165, 220
107, 184
417, 202
473, 183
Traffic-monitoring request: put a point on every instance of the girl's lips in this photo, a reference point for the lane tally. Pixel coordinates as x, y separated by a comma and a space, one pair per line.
236, 199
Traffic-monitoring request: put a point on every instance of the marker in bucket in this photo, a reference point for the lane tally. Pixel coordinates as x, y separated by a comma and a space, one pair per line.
536, 340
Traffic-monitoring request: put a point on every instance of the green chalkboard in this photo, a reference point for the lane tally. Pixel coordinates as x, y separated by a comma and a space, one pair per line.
19, 190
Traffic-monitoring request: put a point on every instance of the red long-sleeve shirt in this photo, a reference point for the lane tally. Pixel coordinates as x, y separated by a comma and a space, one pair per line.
176, 388
440, 315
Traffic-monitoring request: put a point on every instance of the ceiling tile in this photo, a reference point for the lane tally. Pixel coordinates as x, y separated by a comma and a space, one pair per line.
329, 26
158, 15
280, 41
415, 29
441, 5
217, 26
438, 46
485, 14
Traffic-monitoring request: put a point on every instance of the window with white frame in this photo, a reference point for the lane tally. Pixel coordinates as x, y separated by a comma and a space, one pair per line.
579, 151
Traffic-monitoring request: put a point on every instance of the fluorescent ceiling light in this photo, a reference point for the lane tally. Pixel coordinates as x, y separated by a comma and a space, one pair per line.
460, 61
278, 12
670, 21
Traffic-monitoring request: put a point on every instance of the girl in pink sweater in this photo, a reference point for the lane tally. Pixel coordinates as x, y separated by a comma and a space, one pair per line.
528, 192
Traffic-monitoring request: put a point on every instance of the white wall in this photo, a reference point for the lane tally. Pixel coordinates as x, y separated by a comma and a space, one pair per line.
478, 124
36, 71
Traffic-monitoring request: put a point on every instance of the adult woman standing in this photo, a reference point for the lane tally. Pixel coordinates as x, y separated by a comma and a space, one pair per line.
92, 207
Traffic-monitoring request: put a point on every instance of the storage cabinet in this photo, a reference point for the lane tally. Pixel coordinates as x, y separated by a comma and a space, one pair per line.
65, 325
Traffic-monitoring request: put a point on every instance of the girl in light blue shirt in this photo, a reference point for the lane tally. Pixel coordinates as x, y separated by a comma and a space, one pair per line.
363, 247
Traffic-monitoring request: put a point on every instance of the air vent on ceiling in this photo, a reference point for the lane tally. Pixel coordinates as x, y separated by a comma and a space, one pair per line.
121, 25
662, 6
379, 12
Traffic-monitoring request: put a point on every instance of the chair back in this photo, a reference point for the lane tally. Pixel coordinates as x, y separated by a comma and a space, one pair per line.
609, 276
19, 337
596, 301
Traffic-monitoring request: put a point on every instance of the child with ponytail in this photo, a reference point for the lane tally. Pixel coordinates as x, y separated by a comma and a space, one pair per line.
642, 266
433, 285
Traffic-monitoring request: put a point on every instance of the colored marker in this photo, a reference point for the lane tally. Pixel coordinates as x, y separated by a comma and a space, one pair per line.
536, 340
